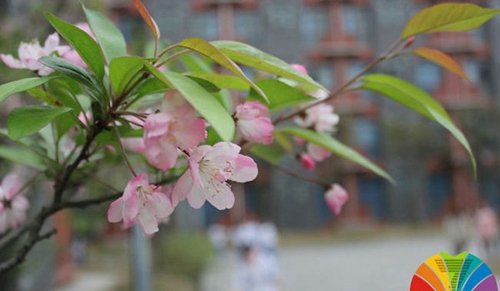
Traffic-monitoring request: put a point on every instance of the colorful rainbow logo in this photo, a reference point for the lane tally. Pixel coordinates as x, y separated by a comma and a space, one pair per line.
444, 272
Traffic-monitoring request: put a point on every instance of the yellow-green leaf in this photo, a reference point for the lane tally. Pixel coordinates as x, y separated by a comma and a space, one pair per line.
415, 98
441, 59
448, 17
207, 49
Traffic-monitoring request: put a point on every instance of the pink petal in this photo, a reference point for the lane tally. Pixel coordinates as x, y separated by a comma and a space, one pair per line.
307, 162
20, 203
223, 197
147, 222
51, 43
115, 210
73, 57
161, 204
161, 153
134, 144
196, 197
318, 153
336, 197
191, 134
245, 169
11, 185
299, 68
223, 152
12, 63
259, 130
182, 188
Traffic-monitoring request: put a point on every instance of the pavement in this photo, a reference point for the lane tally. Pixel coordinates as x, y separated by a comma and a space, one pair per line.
382, 264
92, 281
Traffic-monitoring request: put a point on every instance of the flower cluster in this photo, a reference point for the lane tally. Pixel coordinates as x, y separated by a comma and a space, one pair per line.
30, 53
13, 205
176, 131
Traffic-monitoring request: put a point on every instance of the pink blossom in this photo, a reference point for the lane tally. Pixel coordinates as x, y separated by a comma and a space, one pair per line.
317, 153
165, 132
29, 53
143, 203
319, 117
134, 144
300, 68
253, 122
209, 170
335, 198
13, 206
307, 162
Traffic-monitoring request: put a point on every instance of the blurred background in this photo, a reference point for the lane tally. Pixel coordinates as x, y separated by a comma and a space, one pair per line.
384, 232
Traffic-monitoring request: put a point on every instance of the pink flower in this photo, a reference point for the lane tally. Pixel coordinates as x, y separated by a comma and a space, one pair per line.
143, 203
336, 197
134, 144
319, 117
12, 205
29, 53
300, 68
253, 122
307, 162
209, 170
165, 132
317, 153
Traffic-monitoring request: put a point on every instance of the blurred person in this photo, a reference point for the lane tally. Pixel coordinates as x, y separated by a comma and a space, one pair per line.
246, 233
254, 272
487, 229
218, 237
459, 227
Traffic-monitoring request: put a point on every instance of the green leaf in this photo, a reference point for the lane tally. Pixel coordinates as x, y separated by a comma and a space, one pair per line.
254, 58
196, 63
207, 85
86, 47
43, 96
448, 17
122, 71
337, 148
206, 104
22, 156
23, 121
14, 87
223, 81
280, 95
418, 100
73, 71
110, 38
207, 49
150, 86
271, 154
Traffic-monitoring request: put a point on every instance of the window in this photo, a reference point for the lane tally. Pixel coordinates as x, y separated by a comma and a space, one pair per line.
313, 26
366, 136
205, 25
428, 76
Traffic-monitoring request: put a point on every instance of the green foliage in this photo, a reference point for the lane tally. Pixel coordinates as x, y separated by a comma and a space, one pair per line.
206, 104
281, 95
124, 70
210, 51
23, 121
337, 148
21, 156
109, 36
448, 17
272, 154
417, 100
14, 87
254, 58
86, 47
74, 72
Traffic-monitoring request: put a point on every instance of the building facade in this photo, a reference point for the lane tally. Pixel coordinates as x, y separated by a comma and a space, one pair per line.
335, 39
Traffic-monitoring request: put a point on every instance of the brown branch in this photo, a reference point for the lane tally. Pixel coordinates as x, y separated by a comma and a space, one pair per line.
345, 87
